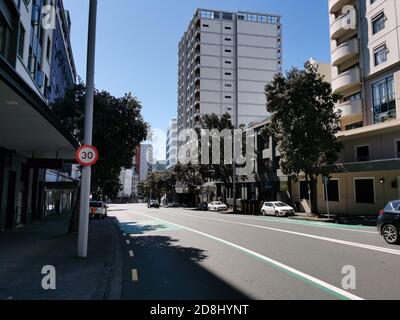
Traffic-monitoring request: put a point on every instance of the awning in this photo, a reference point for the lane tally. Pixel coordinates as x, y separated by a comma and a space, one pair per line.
27, 125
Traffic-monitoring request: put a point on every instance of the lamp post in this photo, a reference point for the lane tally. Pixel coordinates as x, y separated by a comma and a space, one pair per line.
88, 132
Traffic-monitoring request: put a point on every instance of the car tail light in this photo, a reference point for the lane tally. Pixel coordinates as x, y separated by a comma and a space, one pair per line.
381, 213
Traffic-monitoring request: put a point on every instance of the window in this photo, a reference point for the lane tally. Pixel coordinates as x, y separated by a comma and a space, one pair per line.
228, 39
21, 41
304, 195
333, 191
228, 73
384, 100
380, 55
354, 126
228, 50
355, 96
362, 153
205, 25
48, 51
228, 62
364, 190
228, 97
228, 85
397, 148
3, 35
227, 16
378, 23
228, 28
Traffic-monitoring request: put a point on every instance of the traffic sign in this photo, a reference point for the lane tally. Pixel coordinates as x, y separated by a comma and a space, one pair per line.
87, 155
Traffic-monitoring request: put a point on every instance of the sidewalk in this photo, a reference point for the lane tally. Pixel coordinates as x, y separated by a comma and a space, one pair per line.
25, 251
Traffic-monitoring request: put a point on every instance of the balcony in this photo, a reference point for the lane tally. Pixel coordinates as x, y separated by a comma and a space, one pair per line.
346, 80
345, 51
351, 108
341, 26
336, 5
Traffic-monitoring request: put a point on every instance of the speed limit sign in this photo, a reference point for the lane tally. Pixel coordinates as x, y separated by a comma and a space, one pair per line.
87, 155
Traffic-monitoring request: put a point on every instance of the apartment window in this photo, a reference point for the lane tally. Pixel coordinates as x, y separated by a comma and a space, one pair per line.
397, 146
354, 126
227, 16
228, 62
364, 190
362, 153
380, 55
228, 85
48, 51
332, 190
384, 103
228, 28
21, 41
304, 190
228, 97
355, 96
228, 39
4, 30
228, 50
378, 23
228, 73
206, 25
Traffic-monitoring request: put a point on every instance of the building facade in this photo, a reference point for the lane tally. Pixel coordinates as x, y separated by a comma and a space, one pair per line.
172, 144
32, 140
225, 60
365, 51
63, 71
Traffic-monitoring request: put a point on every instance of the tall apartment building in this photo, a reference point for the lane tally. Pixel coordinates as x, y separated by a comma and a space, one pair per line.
365, 51
225, 60
172, 144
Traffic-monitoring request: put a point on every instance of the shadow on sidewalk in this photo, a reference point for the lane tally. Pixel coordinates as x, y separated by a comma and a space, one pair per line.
168, 271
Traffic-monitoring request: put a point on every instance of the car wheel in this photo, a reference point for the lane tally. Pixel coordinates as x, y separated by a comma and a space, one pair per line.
391, 234
264, 213
277, 214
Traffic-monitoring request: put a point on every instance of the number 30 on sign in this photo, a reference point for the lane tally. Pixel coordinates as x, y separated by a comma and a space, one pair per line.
87, 155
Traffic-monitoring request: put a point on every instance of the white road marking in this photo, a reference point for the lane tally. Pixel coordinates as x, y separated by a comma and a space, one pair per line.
305, 277
124, 234
128, 242
332, 240
131, 253
312, 224
135, 277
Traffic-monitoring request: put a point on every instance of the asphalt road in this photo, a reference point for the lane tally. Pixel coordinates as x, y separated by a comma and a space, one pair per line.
178, 254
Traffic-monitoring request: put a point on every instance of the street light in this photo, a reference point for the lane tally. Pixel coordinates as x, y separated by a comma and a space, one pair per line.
88, 132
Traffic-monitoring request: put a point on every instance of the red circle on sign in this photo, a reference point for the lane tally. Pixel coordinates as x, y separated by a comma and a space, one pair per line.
87, 155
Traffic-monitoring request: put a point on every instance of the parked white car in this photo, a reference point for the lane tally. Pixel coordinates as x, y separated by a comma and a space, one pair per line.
217, 206
278, 209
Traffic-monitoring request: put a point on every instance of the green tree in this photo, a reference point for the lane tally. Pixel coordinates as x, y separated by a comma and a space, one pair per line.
304, 123
118, 127
158, 184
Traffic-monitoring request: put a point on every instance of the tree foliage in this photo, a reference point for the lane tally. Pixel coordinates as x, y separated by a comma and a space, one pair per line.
304, 123
118, 127
158, 184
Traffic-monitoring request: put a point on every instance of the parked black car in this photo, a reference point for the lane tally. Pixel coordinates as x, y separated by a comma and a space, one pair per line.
153, 204
389, 222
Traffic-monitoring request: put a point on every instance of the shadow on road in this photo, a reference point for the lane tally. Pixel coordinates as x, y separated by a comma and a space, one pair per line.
168, 271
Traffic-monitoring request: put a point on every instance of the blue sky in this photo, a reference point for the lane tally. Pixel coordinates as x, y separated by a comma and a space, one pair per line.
137, 43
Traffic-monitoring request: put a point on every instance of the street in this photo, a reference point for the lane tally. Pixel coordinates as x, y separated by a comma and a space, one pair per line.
185, 254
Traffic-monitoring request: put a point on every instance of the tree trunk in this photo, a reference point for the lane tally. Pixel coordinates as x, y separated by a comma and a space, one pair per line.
314, 194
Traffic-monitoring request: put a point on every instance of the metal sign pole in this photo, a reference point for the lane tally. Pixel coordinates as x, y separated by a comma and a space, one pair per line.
88, 131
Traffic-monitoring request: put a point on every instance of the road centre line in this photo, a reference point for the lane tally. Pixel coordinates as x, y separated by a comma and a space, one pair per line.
335, 291
332, 240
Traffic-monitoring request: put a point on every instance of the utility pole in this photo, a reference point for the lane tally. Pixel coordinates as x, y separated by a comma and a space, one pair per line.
88, 132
